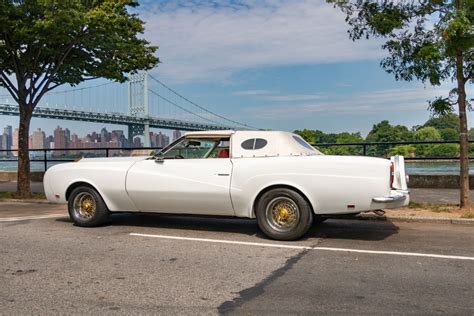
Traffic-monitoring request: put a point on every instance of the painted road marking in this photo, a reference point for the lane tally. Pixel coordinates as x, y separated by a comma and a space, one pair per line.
377, 252
27, 218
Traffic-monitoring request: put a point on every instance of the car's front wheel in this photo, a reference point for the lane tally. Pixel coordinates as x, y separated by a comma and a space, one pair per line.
283, 214
86, 207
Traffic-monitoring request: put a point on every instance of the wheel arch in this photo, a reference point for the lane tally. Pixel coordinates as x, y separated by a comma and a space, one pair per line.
281, 186
77, 184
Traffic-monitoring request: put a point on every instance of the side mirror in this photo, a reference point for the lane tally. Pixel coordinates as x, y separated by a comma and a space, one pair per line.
160, 158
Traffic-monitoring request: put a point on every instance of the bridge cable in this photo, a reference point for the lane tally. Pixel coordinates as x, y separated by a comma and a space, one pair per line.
197, 105
184, 109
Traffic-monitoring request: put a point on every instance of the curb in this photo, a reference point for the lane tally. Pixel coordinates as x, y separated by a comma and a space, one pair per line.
26, 201
409, 219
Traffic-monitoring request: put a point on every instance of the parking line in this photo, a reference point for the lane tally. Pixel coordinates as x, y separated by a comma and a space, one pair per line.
27, 218
257, 244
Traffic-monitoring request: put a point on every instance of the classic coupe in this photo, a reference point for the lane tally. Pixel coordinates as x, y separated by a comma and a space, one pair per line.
275, 177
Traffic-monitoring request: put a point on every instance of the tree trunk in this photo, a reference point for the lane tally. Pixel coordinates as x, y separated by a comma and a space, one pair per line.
23, 180
463, 136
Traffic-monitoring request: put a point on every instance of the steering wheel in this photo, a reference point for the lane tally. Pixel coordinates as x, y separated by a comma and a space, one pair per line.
179, 157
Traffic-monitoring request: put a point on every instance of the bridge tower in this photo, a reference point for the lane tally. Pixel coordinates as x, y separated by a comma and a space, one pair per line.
138, 106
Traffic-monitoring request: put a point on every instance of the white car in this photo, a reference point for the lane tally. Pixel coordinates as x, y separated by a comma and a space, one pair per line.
275, 177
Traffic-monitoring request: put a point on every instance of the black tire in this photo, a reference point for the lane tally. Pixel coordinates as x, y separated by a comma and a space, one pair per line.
275, 204
87, 208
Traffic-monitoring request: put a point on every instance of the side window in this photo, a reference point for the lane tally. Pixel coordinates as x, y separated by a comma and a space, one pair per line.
254, 143
222, 150
192, 148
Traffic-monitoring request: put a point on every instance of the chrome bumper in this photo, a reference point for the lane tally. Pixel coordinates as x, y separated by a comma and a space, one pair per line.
395, 195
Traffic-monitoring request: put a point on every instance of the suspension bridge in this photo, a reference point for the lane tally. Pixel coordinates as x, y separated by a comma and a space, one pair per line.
145, 103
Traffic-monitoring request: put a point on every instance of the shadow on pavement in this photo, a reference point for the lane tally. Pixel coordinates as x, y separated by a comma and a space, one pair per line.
330, 229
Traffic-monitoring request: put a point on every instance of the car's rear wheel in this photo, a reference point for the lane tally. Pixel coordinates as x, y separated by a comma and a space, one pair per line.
86, 207
283, 214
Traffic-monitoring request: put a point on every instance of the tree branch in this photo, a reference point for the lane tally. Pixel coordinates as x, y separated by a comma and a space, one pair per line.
9, 85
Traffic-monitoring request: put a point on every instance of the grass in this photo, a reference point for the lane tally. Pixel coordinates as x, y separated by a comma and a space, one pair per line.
446, 208
468, 214
11, 195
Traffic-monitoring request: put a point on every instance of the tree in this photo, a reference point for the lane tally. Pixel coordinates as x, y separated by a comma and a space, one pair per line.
385, 132
428, 133
346, 137
440, 122
429, 40
49, 43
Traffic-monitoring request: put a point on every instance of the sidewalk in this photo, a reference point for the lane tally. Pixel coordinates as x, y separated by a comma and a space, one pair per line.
36, 187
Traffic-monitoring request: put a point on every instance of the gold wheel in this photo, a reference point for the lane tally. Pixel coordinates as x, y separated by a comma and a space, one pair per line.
85, 205
282, 214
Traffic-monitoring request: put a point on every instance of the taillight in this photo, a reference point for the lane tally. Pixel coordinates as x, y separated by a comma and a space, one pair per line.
392, 172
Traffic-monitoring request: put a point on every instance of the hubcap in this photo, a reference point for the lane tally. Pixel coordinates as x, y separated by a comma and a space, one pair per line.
84, 205
282, 214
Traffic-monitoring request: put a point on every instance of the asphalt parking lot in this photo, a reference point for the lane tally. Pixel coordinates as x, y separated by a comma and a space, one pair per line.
155, 264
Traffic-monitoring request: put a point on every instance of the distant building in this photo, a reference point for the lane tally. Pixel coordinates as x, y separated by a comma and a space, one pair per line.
176, 134
38, 139
60, 141
8, 131
15, 142
3, 145
162, 140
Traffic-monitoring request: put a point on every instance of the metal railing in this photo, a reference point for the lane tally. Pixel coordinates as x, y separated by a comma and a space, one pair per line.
365, 145
45, 158
50, 155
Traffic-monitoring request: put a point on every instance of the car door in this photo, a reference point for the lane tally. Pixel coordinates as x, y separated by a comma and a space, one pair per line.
189, 186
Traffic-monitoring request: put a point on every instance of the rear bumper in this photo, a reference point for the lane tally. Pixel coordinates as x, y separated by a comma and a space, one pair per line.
395, 196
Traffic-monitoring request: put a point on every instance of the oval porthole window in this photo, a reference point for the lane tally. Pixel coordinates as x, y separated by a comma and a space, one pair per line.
260, 143
254, 143
248, 144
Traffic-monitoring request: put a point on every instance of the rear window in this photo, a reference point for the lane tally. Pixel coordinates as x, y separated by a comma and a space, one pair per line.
303, 143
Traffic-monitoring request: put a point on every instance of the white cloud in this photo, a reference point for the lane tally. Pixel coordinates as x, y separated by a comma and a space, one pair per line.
388, 101
251, 92
213, 40
293, 97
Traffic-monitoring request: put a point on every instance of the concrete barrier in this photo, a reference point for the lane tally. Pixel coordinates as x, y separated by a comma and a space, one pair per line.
437, 181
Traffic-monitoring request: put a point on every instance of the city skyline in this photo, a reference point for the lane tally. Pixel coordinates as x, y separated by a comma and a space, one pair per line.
63, 138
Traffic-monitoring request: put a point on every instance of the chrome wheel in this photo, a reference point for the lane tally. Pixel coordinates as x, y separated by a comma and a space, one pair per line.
283, 214
84, 205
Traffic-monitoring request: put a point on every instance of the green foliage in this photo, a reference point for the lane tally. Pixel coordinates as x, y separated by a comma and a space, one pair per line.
316, 136
449, 134
443, 150
444, 121
428, 133
346, 150
385, 132
437, 128
404, 150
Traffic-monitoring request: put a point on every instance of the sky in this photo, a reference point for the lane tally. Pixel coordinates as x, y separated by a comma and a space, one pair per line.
276, 64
